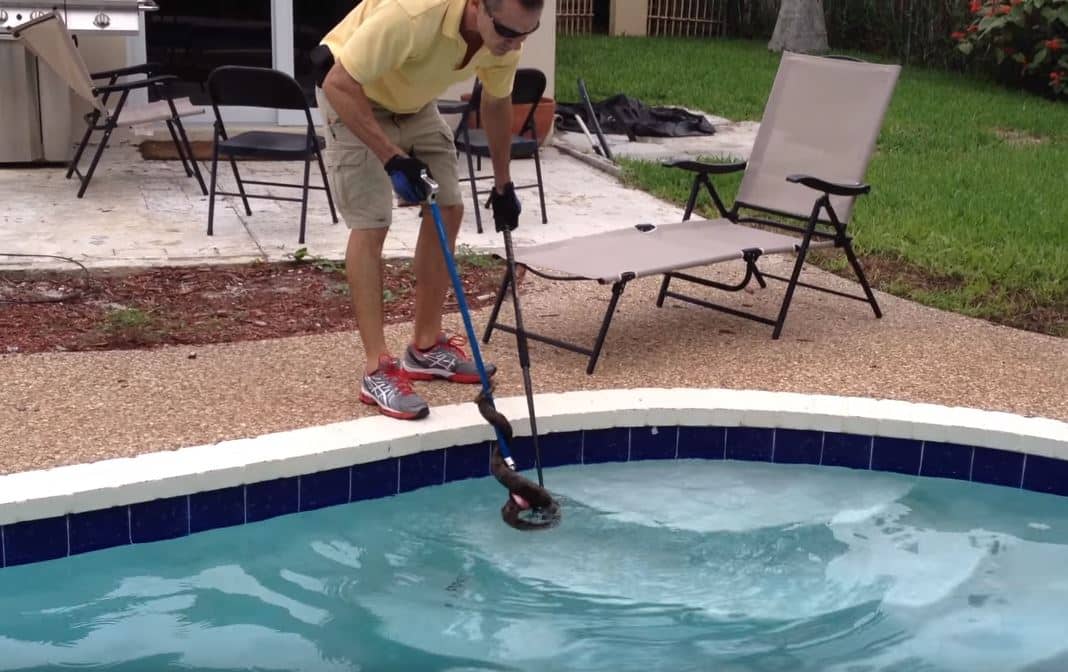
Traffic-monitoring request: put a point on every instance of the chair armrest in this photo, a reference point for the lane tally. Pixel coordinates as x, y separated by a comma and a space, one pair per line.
706, 168
144, 68
139, 84
836, 188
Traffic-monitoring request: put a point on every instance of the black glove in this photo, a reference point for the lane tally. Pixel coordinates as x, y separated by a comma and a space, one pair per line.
405, 173
506, 208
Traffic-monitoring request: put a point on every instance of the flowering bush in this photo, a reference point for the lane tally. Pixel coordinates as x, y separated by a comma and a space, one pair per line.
1025, 40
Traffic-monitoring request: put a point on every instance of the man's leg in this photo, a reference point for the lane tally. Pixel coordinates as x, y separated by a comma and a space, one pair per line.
431, 275
363, 266
432, 354
364, 199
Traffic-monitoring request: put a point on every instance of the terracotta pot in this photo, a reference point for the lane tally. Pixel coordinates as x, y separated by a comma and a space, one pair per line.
543, 117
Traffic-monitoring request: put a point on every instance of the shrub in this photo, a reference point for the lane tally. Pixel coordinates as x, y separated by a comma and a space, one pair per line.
1023, 41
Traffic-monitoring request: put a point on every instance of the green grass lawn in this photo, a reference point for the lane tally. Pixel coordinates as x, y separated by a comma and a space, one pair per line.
968, 210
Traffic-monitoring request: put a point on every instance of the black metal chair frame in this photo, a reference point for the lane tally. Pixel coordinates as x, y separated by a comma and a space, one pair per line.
529, 87
98, 121
807, 228
263, 88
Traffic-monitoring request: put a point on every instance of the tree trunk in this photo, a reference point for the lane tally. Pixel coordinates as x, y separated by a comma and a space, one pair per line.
800, 28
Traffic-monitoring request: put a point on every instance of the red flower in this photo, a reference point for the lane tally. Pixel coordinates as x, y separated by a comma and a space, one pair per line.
957, 35
1056, 77
1017, 2
1054, 44
976, 6
1004, 9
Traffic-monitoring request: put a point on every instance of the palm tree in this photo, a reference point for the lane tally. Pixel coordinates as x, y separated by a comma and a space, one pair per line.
800, 28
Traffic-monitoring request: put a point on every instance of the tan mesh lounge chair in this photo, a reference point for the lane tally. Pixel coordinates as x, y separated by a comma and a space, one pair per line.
807, 166
48, 39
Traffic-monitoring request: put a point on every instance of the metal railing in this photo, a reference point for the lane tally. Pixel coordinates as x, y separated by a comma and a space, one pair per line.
574, 17
687, 18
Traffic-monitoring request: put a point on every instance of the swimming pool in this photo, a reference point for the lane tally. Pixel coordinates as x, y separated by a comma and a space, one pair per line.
701, 528
673, 565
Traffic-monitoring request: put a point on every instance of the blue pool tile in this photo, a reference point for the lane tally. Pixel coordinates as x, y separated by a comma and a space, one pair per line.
798, 446
653, 443
269, 499
750, 443
1045, 474
104, 528
325, 488
606, 445
372, 480
846, 450
946, 460
159, 519
997, 467
217, 508
35, 541
706, 443
901, 456
470, 461
557, 449
419, 470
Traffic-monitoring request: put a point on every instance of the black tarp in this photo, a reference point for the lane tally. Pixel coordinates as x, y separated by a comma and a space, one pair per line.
623, 115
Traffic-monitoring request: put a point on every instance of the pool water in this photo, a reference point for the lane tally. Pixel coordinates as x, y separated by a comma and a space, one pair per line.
687, 565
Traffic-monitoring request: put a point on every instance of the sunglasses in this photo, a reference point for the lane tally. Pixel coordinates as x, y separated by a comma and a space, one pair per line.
504, 31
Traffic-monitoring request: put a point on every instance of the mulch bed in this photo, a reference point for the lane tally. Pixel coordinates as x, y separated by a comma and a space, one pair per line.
61, 311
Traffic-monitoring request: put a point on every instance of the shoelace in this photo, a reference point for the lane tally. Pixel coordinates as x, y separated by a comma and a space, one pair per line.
456, 343
398, 377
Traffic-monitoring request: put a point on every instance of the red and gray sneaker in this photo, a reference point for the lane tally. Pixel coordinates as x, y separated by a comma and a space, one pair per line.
390, 389
445, 359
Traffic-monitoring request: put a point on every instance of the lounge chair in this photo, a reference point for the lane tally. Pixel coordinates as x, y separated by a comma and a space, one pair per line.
807, 167
48, 39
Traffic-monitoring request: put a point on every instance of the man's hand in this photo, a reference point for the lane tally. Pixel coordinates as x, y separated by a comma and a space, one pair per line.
506, 208
406, 174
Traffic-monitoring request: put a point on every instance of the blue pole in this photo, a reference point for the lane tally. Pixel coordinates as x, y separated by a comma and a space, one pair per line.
461, 300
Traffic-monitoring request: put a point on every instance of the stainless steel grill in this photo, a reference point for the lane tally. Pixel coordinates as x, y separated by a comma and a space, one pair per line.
114, 17
36, 105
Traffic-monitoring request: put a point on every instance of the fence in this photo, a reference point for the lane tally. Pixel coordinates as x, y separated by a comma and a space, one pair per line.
686, 18
574, 17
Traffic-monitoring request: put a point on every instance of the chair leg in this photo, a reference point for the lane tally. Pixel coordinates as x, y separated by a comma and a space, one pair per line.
855, 263
214, 177
96, 158
663, 290
498, 302
326, 185
189, 152
802, 252
181, 150
541, 188
304, 199
90, 125
617, 291
240, 186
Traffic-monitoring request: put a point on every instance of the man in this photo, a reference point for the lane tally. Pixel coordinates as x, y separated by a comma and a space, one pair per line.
391, 60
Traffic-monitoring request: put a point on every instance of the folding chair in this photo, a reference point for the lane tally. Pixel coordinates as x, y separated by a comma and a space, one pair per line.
808, 161
48, 39
528, 89
266, 88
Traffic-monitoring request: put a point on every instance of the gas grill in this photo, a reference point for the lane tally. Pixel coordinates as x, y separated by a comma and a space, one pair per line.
39, 113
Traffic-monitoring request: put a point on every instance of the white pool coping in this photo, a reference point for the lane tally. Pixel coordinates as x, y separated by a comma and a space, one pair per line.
63, 490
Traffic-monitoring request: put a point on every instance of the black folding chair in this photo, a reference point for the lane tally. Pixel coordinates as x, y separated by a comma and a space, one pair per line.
528, 89
265, 88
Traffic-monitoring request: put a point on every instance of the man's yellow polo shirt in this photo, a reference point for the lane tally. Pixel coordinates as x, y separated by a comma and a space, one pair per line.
406, 53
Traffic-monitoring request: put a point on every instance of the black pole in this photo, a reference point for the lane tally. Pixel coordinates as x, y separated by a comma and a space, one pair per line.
524, 354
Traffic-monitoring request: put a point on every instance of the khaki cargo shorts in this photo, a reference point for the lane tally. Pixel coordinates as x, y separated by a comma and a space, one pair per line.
361, 187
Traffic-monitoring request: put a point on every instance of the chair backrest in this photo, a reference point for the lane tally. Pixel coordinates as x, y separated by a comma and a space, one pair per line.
822, 118
47, 38
246, 86
527, 89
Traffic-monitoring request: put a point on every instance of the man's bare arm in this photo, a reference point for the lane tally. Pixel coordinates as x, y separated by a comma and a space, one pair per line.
348, 99
497, 120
